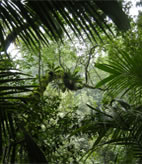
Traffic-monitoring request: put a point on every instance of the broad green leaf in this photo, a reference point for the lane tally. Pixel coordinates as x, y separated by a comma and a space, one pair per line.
104, 81
107, 68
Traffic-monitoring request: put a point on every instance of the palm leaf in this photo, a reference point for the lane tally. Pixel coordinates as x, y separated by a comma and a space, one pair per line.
114, 11
10, 86
122, 128
34, 152
23, 19
125, 75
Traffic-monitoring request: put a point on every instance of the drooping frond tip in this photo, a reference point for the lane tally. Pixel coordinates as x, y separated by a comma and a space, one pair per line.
114, 10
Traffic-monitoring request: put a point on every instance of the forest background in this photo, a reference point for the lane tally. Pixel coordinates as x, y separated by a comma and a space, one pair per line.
72, 93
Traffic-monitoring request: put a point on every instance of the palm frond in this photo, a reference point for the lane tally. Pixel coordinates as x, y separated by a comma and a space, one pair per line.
12, 84
116, 125
34, 152
25, 19
125, 76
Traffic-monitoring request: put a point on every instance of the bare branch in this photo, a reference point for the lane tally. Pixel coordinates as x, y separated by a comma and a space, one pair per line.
88, 62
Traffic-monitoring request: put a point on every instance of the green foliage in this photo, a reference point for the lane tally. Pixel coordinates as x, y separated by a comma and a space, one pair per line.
11, 96
124, 68
117, 123
64, 119
35, 126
